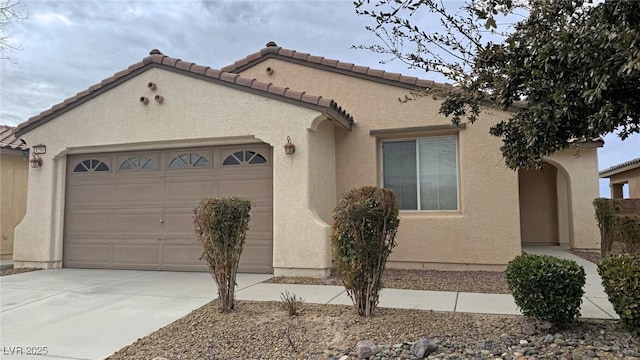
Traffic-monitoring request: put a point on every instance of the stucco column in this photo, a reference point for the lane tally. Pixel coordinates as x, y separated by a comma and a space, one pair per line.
304, 191
38, 238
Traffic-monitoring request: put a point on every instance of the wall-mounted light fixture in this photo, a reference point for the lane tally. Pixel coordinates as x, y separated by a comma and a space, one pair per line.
289, 148
35, 161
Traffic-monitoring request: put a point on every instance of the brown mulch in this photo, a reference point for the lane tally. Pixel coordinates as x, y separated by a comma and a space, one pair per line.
489, 282
7, 272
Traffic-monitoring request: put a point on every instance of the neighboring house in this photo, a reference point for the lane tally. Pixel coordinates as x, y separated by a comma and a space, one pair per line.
129, 158
627, 173
14, 164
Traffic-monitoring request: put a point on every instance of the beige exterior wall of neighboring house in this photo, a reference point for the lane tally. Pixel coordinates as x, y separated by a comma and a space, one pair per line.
631, 178
14, 168
488, 217
194, 113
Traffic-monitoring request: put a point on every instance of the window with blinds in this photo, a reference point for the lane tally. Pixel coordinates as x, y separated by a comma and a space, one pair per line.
423, 172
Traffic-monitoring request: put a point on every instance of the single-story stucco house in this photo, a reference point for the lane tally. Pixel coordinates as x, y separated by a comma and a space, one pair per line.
14, 165
626, 173
129, 158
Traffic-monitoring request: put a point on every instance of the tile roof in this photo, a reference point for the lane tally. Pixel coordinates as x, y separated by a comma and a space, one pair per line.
616, 169
157, 59
8, 139
274, 51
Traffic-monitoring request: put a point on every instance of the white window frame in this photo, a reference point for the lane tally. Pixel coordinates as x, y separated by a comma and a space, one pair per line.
416, 139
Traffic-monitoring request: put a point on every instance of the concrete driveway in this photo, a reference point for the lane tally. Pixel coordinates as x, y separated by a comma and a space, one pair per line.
89, 314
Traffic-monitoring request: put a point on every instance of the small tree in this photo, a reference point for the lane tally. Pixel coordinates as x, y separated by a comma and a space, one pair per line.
221, 226
365, 225
606, 210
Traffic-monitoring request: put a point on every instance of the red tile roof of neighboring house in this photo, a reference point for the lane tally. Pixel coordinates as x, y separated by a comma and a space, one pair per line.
616, 169
274, 51
157, 59
8, 139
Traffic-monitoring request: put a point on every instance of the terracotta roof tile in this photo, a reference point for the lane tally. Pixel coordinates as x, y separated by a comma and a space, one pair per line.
408, 79
300, 55
183, 65
424, 83
391, 76
262, 86
8, 139
293, 94
285, 52
169, 60
213, 73
137, 65
375, 72
244, 81
360, 69
278, 90
228, 77
311, 99
156, 59
315, 59
344, 66
199, 69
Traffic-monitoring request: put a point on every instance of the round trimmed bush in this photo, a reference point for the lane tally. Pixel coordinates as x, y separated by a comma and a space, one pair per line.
546, 288
621, 281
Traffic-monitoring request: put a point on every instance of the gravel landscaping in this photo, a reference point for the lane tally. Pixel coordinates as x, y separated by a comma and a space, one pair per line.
595, 257
488, 282
6, 272
264, 330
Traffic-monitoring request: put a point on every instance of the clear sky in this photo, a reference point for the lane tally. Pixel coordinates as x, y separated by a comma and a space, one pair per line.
67, 46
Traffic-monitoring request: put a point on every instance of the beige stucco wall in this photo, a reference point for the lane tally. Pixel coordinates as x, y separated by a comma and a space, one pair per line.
579, 168
631, 178
14, 169
484, 233
194, 113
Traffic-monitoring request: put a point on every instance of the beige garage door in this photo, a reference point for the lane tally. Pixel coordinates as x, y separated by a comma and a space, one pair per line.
134, 210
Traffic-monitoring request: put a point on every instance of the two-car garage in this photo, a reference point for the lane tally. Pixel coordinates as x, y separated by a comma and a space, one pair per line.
134, 210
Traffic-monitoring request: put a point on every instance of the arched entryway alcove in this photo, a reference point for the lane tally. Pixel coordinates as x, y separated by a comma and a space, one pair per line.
544, 206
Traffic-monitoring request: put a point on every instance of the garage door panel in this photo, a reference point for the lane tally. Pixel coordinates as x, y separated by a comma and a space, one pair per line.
139, 254
139, 192
190, 190
92, 223
260, 222
88, 253
257, 189
91, 195
179, 223
135, 223
183, 256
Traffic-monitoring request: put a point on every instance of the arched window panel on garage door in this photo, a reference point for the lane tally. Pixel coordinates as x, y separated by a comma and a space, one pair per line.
244, 157
189, 160
137, 163
91, 165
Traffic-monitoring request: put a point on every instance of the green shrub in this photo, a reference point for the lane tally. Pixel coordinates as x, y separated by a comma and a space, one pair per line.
221, 226
546, 288
606, 210
365, 225
621, 281
627, 230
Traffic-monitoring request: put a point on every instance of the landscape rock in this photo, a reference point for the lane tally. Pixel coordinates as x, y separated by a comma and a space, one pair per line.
366, 348
423, 347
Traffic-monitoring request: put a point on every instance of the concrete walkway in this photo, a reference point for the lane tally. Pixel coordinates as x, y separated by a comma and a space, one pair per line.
89, 314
